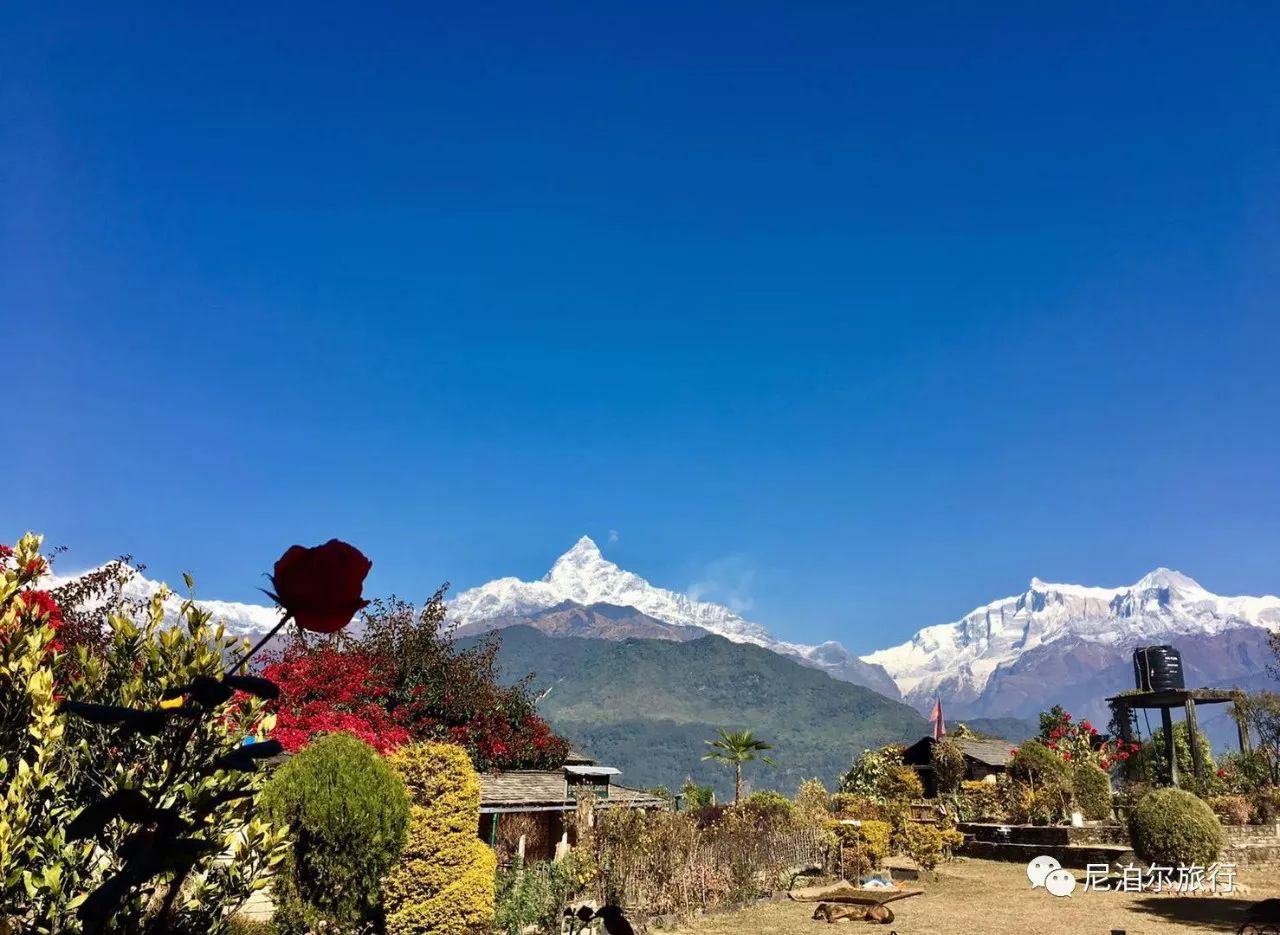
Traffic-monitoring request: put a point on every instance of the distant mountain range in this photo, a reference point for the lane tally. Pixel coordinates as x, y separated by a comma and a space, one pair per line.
1054, 643
1072, 644
1009, 659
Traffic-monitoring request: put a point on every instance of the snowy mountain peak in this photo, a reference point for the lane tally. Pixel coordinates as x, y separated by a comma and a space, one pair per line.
1168, 578
583, 575
960, 659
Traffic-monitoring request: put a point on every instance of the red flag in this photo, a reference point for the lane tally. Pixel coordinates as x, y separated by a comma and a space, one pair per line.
939, 725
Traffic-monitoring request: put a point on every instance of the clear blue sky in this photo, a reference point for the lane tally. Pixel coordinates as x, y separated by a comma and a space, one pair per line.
856, 315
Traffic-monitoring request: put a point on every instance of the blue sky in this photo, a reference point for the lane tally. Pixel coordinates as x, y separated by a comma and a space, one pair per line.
854, 315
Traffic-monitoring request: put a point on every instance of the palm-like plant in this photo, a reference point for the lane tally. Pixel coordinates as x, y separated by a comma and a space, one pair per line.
733, 748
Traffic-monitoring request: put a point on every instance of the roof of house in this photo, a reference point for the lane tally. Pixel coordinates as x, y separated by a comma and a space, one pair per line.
546, 789
988, 752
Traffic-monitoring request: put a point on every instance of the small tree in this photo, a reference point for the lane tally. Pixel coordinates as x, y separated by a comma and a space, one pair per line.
734, 749
697, 797
347, 813
813, 804
445, 880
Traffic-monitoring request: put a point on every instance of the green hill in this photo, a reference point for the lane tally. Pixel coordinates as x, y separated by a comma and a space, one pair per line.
648, 707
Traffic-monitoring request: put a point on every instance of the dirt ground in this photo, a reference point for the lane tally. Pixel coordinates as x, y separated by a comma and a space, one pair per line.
981, 897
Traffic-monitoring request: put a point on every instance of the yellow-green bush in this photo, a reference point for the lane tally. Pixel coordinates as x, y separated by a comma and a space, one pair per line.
444, 882
874, 838
900, 784
929, 845
980, 800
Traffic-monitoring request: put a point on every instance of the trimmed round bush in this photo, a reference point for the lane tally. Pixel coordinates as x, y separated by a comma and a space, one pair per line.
1174, 828
348, 816
444, 883
1092, 788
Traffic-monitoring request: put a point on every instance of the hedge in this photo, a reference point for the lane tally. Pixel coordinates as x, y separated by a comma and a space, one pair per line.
444, 882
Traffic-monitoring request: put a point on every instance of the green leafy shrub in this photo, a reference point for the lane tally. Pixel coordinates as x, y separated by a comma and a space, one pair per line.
1046, 781
768, 809
154, 750
948, 766
1231, 809
1092, 790
697, 797
869, 769
1244, 773
1174, 828
444, 882
929, 845
348, 814
535, 895
981, 800
1150, 762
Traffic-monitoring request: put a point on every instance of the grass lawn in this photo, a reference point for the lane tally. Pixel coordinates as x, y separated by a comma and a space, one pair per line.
981, 897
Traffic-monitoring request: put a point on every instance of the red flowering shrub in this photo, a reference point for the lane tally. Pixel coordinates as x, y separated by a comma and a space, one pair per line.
1080, 741
324, 690
404, 679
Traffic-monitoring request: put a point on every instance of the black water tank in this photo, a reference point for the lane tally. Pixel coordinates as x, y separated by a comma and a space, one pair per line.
1158, 669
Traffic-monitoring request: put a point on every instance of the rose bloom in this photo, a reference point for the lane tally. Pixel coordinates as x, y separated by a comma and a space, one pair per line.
321, 587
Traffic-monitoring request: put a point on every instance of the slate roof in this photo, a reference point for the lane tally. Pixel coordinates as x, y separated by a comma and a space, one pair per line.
547, 788
991, 752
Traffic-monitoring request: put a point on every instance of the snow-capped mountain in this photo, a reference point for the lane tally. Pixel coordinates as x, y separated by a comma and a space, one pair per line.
239, 619
584, 576
1062, 635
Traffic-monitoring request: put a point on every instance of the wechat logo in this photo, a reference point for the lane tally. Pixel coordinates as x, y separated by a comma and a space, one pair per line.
1048, 873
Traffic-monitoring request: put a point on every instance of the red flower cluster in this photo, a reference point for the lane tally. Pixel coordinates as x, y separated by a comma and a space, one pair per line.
42, 604
1081, 741
324, 690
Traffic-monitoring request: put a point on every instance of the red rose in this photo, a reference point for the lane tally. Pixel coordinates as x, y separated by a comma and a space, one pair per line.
321, 586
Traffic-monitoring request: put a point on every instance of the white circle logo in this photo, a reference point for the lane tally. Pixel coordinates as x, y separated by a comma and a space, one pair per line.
1060, 882
1040, 868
